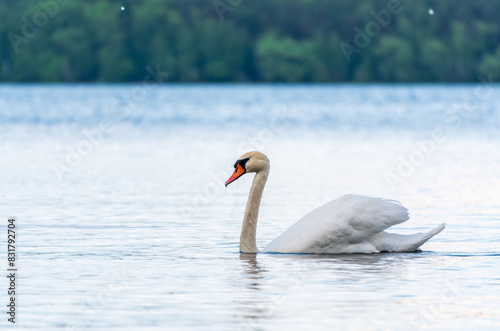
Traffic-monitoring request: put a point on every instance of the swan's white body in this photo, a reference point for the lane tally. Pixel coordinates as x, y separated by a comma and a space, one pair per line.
349, 224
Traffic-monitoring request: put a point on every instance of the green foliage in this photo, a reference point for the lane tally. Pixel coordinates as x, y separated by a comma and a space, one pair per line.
436, 59
249, 41
283, 59
491, 65
396, 59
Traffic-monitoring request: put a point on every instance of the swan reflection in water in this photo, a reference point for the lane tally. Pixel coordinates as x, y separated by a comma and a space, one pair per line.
272, 282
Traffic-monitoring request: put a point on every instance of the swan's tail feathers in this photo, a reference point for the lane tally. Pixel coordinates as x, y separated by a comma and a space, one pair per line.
392, 242
429, 235
434, 232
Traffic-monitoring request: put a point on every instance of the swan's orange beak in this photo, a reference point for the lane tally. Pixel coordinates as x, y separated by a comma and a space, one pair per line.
238, 172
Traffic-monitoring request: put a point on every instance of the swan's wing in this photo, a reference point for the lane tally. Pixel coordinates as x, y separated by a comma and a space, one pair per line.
347, 221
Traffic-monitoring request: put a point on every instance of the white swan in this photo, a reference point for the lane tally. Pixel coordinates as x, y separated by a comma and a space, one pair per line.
349, 224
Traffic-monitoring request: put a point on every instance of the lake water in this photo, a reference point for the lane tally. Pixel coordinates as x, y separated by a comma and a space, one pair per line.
124, 223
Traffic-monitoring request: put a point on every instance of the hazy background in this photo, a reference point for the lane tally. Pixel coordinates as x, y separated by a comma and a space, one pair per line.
249, 41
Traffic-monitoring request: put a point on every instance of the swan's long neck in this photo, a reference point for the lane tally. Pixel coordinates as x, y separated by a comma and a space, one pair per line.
249, 227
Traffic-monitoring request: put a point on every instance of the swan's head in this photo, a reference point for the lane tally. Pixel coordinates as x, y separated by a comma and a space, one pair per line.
249, 162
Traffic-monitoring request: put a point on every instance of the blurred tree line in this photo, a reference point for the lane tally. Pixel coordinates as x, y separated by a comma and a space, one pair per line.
250, 41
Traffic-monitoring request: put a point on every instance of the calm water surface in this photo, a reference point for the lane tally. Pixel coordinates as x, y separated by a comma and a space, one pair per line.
124, 222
